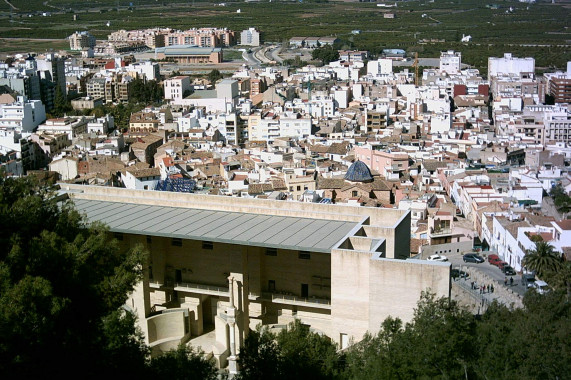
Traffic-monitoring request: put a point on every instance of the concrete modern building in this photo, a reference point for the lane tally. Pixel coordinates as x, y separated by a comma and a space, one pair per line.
24, 115
353, 55
189, 54
203, 37
450, 62
224, 265
250, 37
177, 87
509, 65
81, 40
560, 89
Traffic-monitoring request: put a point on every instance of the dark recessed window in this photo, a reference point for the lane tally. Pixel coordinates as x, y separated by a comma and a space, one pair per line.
177, 242
149, 239
304, 255
207, 245
271, 252
118, 235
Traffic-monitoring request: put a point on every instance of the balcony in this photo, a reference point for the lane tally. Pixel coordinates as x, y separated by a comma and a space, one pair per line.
441, 232
211, 290
289, 299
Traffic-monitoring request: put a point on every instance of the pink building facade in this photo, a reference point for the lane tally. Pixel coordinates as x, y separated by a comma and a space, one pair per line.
388, 164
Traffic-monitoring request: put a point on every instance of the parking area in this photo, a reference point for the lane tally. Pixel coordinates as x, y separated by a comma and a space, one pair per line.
491, 271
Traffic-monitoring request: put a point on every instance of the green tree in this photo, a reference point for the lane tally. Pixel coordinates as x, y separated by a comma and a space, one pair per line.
560, 198
437, 343
325, 54
61, 104
259, 357
182, 364
214, 76
542, 259
295, 352
306, 354
61, 284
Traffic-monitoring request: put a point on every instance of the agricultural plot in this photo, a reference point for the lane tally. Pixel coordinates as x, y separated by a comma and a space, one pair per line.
539, 30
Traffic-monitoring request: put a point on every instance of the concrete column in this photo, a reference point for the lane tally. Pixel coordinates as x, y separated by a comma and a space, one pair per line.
231, 315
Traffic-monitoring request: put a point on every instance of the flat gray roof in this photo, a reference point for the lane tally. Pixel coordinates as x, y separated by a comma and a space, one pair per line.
284, 232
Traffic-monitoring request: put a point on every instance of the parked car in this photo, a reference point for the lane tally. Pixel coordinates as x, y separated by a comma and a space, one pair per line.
495, 262
527, 279
473, 258
540, 286
493, 257
501, 264
437, 257
508, 270
455, 273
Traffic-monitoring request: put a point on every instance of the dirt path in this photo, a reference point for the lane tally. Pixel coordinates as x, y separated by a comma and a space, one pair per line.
11, 6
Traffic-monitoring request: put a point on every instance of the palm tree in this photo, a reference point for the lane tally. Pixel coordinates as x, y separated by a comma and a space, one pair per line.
542, 259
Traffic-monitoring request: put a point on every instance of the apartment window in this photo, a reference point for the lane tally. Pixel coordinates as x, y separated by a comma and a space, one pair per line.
177, 242
207, 245
354, 193
271, 285
298, 188
118, 236
304, 255
271, 252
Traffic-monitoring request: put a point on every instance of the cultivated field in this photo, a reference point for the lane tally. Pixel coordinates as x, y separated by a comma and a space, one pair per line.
540, 30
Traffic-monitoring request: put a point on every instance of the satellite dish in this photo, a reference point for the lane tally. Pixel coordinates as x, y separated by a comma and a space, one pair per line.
108, 23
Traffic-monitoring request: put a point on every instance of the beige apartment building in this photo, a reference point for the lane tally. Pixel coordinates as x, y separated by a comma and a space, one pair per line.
219, 266
203, 37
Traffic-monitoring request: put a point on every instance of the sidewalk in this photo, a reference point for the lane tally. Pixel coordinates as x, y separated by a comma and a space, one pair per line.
479, 302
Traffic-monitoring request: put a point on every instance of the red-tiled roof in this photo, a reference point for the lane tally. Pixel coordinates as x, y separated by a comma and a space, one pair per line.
564, 224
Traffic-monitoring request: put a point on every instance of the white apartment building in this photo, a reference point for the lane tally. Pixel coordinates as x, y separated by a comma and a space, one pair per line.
23, 115
270, 127
72, 126
557, 123
380, 67
509, 65
450, 62
250, 37
176, 87
147, 69
101, 125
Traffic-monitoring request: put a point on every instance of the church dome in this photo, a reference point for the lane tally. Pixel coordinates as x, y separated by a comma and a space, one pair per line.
359, 172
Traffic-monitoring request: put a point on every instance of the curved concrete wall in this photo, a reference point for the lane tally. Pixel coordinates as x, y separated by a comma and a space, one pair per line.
166, 326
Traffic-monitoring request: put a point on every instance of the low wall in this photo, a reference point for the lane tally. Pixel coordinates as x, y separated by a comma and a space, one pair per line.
445, 249
166, 327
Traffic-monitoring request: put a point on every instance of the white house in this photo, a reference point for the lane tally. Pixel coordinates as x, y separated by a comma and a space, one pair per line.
177, 87
24, 115
141, 179
67, 167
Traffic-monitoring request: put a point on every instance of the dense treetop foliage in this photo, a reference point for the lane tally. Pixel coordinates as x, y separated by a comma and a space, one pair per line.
62, 287
443, 341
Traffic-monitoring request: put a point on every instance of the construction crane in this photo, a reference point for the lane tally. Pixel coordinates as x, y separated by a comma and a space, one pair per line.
415, 65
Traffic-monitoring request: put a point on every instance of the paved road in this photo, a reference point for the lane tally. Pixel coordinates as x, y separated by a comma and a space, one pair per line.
250, 58
272, 53
487, 269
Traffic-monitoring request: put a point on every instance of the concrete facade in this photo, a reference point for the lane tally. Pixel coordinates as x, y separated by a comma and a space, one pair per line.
345, 286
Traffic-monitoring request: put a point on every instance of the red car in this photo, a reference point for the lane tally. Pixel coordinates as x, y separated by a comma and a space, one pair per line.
493, 257
501, 264
495, 261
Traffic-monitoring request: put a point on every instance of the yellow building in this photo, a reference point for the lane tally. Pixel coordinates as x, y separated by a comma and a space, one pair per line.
219, 266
